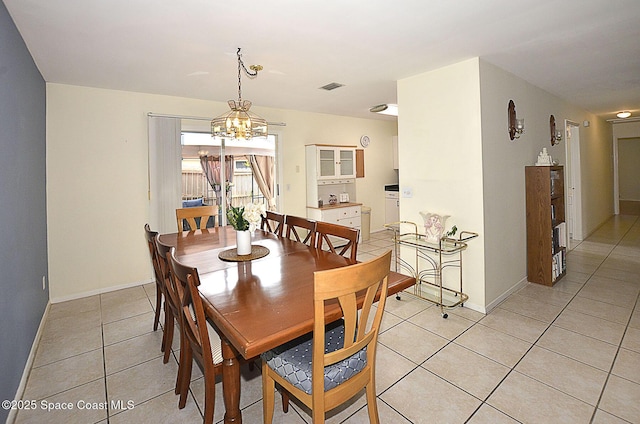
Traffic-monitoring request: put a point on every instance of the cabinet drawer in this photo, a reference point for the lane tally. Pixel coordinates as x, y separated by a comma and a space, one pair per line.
349, 212
350, 222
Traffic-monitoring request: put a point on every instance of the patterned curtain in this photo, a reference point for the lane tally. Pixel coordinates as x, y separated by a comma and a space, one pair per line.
211, 168
263, 168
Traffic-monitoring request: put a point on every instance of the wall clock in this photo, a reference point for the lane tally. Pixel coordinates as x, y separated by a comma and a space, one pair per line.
365, 141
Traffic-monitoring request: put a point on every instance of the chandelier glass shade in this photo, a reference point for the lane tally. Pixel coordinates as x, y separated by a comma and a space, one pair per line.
239, 122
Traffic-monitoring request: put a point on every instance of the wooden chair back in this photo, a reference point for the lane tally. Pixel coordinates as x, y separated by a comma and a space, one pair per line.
172, 299
150, 235
360, 332
337, 239
189, 216
300, 229
198, 339
272, 222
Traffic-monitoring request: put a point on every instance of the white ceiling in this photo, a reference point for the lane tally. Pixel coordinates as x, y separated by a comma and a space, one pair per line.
585, 51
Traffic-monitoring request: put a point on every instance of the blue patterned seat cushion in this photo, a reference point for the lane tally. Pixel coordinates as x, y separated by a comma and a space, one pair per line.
292, 361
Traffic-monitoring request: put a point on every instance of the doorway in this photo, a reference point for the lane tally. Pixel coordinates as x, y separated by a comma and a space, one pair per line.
573, 182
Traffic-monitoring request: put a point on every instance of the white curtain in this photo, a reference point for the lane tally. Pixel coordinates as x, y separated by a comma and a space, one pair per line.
165, 173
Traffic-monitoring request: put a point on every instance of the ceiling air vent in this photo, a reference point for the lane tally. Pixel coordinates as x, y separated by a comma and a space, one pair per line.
331, 86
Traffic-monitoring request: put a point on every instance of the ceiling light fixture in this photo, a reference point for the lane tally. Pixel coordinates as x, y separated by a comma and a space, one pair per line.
239, 122
624, 114
385, 109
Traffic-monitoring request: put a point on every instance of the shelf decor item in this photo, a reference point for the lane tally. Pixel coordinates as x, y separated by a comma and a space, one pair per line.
245, 220
433, 226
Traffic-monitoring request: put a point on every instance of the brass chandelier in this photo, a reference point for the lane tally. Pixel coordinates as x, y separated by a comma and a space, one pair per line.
239, 122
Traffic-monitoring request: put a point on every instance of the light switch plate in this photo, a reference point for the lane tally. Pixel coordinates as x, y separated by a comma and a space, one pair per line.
407, 192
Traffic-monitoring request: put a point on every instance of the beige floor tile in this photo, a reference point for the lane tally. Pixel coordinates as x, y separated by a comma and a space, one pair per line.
631, 339
587, 268
629, 263
142, 382
406, 307
385, 413
532, 308
339, 414
567, 286
423, 397
617, 274
530, 401
514, 324
565, 374
627, 365
390, 367
127, 328
132, 352
253, 413
600, 309
575, 277
161, 409
545, 294
591, 326
118, 311
602, 417
635, 318
64, 343
74, 307
620, 398
468, 370
467, 313
85, 403
123, 296
63, 375
502, 348
582, 348
74, 322
412, 342
489, 415
449, 328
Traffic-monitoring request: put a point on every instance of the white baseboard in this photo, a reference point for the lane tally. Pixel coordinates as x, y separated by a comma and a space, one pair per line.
99, 291
506, 294
27, 367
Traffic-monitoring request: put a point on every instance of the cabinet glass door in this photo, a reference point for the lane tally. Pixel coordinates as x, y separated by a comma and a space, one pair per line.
347, 163
327, 165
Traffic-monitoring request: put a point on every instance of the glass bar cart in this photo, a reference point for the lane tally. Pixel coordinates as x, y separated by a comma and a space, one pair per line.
439, 256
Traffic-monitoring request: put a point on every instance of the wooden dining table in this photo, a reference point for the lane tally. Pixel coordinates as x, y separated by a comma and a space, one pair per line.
258, 304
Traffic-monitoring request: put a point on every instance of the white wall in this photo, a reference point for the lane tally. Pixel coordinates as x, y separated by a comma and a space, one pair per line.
456, 155
440, 158
503, 170
97, 183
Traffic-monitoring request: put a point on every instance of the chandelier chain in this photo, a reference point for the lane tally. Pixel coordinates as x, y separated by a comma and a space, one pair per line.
240, 68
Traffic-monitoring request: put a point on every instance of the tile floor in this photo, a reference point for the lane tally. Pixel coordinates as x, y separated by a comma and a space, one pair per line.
567, 354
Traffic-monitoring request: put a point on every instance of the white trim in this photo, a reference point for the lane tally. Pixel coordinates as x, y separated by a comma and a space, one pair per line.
13, 413
100, 291
506, 294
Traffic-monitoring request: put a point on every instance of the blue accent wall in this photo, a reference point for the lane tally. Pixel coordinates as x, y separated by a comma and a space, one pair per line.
23, 208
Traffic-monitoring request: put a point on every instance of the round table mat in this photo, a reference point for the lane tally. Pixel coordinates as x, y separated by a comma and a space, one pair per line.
231, 255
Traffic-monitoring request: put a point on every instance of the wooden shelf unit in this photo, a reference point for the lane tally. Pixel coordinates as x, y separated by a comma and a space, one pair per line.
546, 227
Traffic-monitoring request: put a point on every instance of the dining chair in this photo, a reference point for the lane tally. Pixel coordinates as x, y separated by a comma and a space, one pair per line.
343, 353
272, 222
196, 217
201, 341
150, 235
171, 302
337, 239
300, 229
